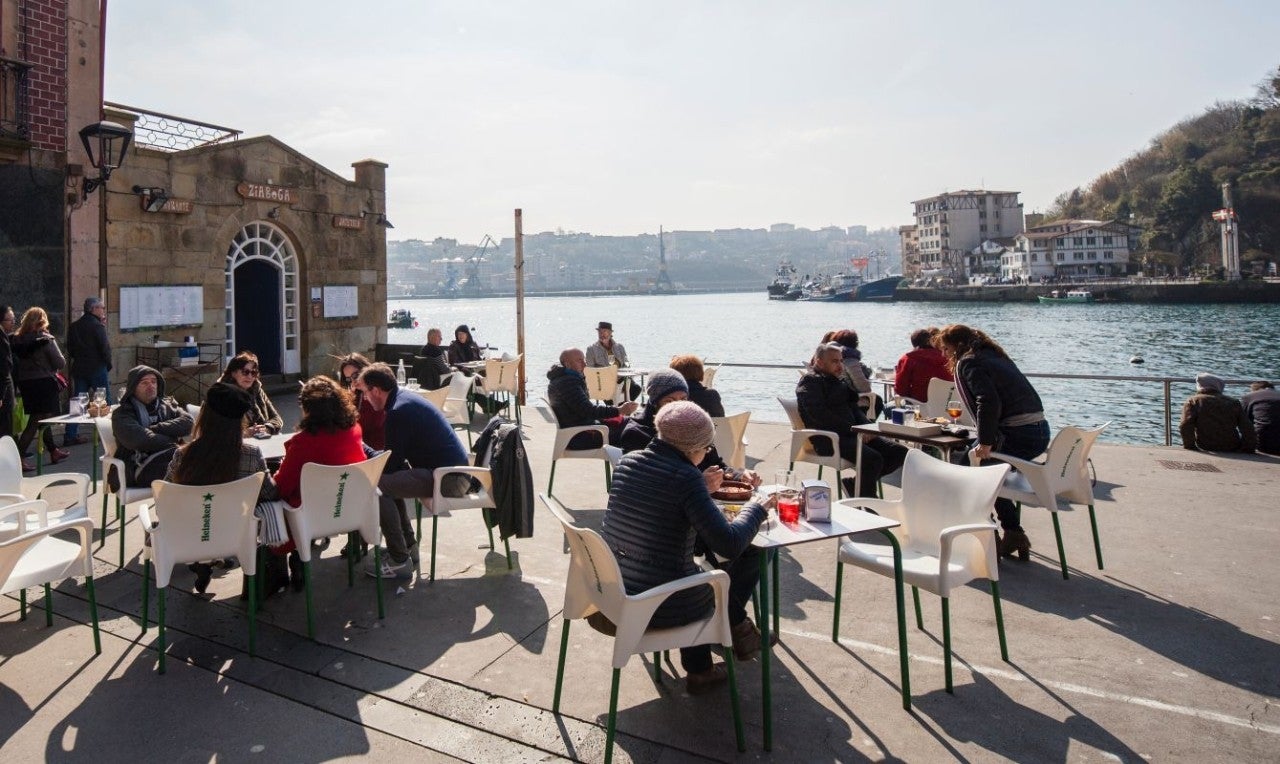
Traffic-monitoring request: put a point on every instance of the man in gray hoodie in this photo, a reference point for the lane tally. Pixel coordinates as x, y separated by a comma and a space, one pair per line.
148, 428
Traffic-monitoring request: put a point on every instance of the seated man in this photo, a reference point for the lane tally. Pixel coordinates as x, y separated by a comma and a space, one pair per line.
420, 439
827, 403
567, 394
1262, 406
1212, 421
606, 351
148, 428
659, 510
436, 360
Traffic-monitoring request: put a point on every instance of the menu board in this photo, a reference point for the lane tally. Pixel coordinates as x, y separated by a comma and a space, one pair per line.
152, 307
340, 301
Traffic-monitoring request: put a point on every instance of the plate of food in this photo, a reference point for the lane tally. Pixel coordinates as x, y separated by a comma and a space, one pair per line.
734, 492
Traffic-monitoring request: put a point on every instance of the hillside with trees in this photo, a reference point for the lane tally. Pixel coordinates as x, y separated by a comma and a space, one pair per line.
1172, 187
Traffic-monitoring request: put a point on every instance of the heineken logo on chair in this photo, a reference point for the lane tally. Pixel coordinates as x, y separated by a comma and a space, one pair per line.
206, 513
342, 488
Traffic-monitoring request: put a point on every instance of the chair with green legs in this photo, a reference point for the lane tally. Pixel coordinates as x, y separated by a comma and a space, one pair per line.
195, 523
595, 585
946, 536
124, 494
338, 499
438, 506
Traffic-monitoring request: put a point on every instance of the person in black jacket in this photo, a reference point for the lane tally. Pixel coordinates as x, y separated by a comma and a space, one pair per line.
659, 511
7, 398
567, 394
690, 367
826, 402
90, 358
435, 363
1262, 406
1006, 409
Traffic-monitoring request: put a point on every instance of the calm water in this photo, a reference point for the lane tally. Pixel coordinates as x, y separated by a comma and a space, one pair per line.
1233, 341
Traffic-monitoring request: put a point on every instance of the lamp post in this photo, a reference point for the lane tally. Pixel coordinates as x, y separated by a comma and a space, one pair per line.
106, 144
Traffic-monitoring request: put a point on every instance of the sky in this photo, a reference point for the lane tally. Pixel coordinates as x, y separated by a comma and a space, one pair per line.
617, 117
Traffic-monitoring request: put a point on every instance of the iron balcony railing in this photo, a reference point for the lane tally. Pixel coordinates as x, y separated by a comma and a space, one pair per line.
15, 100
165, 132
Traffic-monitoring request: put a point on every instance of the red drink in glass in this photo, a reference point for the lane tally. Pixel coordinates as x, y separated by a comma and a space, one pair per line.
789, 509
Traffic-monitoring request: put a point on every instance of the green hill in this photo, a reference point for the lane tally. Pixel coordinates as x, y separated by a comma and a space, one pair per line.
1171, 187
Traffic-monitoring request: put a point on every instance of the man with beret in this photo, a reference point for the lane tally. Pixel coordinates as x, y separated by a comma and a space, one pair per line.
1212, 421
148, 428
606, 351
90, 358
419, 439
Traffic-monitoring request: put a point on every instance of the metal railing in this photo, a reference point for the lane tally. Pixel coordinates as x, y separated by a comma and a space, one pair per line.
166, 132
1166, 384
15, 111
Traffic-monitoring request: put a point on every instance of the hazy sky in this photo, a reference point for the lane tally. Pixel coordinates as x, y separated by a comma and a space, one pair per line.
614, 117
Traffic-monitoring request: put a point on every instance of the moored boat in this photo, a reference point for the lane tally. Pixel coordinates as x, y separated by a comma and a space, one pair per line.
401, 318
1067, 296
783, 281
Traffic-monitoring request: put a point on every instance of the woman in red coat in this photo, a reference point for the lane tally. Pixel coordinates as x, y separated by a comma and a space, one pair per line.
919, 365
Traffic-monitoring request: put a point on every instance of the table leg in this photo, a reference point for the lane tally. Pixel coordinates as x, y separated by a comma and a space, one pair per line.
93, 465
766, 689
902, 619
857, 467
40, 448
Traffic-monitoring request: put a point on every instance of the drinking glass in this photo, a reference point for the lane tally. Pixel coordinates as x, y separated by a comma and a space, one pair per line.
954, 410
413, 383
100, 395
788, 496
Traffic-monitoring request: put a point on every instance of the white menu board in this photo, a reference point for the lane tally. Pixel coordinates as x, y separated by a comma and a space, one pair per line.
148, 307
340, 302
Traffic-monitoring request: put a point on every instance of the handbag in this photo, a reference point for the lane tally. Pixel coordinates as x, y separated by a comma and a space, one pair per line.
62, 381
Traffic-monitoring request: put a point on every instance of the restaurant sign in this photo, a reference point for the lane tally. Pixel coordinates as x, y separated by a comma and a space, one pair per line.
349, 222
266, 193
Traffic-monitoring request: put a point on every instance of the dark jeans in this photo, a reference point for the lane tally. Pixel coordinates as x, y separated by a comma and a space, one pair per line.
98, 380
1025, 442
397, 528
744, 574
880, 457
7, 403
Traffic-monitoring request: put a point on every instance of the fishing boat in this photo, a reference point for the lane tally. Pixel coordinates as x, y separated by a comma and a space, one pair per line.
783, 282
1068, 296
401, 319
844, 287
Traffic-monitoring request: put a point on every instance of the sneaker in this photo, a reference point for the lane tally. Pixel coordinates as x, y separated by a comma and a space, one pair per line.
389, 569
705, 681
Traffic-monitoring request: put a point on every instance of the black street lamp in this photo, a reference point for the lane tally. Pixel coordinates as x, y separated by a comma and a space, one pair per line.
105, 143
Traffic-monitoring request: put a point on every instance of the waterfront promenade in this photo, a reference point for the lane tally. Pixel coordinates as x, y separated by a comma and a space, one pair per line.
1171, 653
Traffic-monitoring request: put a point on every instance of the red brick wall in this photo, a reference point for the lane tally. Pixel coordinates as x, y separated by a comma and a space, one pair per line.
43, 40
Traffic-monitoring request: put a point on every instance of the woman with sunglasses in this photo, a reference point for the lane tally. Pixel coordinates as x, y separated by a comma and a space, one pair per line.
243, 372
372, 423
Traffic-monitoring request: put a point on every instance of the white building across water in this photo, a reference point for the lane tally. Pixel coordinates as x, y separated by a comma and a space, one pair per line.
1070, 249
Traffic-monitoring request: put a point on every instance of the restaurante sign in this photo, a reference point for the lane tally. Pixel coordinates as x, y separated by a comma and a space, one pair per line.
266, 193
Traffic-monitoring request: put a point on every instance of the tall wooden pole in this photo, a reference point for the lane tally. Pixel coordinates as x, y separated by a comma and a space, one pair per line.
520, 300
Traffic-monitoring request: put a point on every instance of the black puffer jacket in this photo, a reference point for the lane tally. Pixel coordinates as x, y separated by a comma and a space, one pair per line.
827, 403
658, 508
567, 394
994, 389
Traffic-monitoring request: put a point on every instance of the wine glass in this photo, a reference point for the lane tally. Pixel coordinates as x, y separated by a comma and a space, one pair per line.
954, 410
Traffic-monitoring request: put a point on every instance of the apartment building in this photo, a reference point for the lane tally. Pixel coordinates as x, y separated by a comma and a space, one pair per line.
909, 243
952, 224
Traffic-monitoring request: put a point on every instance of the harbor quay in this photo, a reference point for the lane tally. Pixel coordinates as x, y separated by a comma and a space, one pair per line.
1170, 653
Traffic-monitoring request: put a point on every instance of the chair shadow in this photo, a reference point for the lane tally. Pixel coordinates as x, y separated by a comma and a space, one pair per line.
1021, 733
1188, 636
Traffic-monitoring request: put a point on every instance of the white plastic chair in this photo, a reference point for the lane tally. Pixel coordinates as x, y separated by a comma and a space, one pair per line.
946, 536
127, 494
941, 391
1057, 483
338, 499
436, 397
602, 383
502, 377
594, 584
14, 487
438, 506
193, 410
34, 557
457, 404
610, 455
802, 449
194, 523
709, 376
731, 438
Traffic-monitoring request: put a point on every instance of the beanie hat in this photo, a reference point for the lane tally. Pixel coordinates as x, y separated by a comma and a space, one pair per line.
664, 382
684, 425
228, 400
1210, 382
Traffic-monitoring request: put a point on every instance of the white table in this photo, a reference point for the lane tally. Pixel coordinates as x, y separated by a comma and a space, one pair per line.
944, 442
77, 419
272, 447
773, 535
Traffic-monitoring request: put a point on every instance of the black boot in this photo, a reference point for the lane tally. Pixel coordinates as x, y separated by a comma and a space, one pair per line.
295, 571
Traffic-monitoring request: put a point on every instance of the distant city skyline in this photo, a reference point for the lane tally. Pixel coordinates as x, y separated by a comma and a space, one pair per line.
615, 119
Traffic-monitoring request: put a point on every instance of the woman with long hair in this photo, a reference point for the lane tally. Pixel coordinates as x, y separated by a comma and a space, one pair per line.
1006, 408
37, 363
218, 453
243, 372
372, 422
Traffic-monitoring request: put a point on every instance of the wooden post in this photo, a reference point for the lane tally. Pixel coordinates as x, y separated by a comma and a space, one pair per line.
519, 264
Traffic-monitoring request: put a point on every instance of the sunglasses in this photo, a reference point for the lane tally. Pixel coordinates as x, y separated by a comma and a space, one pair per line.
248, 372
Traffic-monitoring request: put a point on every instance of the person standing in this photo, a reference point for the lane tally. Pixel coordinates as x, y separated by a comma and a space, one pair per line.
606, 351
90, 358
8, 401
420, 440
1212, 421
1006, 408
38, 362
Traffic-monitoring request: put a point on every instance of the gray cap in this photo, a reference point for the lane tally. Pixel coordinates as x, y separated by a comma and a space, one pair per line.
1210, 382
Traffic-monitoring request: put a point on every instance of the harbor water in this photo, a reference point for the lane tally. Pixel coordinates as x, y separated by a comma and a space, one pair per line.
1233, 341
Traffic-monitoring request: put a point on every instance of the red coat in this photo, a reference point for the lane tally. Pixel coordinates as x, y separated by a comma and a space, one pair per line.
916, 368
341, 447
373, 423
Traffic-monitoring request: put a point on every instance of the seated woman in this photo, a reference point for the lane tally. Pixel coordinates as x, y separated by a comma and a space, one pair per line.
243, 372
372, 422
329, 433
690, 367
659, 511
218, 453
463, 349
663, 387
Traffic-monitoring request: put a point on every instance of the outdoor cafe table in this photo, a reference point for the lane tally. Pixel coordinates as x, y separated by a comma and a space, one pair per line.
773, 534
272, 447
637, 374
80, 419
943, 442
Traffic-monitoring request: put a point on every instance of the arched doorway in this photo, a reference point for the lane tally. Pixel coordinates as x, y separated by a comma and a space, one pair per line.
262, 298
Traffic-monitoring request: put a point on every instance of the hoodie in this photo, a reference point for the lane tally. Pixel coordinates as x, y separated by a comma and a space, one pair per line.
144, 431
